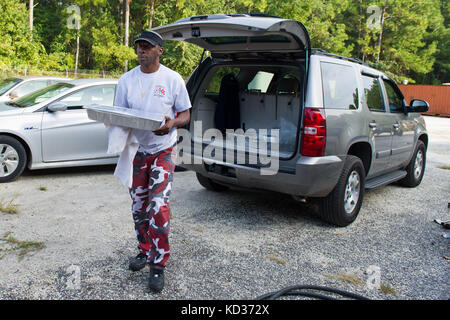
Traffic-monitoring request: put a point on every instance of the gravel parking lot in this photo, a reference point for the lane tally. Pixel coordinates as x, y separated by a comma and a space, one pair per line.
72, 234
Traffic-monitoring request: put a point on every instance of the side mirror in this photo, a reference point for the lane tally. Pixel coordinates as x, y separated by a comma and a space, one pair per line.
13, 95
418, 106
57, 106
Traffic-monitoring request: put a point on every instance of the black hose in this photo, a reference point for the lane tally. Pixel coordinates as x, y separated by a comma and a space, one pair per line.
299, 291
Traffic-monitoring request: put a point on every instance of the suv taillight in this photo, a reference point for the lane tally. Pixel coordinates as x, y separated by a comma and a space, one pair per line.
314, 133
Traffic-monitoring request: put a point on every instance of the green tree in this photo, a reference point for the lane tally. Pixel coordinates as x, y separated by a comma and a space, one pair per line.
397, 36
441, 68
322, 20
408, 39
15, 47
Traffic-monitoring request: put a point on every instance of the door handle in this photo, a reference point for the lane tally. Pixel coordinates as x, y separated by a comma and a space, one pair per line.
373, 125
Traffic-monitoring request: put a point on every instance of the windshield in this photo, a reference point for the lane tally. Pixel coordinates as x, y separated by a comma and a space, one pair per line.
41, 95
6, 84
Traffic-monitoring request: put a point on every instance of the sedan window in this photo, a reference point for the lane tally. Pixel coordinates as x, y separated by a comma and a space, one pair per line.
103, 95
30, 86
7, 84
41, 95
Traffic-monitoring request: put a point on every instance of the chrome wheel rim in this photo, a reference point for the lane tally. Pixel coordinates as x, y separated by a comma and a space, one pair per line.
418, 164
9, 160
352, 190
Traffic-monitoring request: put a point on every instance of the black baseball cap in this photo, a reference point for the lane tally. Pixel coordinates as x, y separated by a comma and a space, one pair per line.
151, 37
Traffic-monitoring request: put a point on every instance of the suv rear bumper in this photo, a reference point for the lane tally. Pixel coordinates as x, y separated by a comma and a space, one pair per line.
313, 176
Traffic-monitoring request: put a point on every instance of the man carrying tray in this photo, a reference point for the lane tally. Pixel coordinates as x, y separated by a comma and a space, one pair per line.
154, 88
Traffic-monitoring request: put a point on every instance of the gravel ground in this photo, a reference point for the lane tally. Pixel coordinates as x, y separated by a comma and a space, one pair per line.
73, 233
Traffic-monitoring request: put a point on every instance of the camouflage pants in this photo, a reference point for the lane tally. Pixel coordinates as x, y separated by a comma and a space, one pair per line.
150, 191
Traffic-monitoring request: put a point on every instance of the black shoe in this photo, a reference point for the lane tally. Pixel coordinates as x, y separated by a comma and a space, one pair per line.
139, 262
156, 279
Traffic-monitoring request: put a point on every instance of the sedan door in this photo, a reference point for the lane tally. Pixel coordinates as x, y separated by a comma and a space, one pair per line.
70, 135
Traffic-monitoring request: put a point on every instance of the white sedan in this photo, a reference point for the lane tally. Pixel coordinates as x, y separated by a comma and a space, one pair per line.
15, 87
50, 128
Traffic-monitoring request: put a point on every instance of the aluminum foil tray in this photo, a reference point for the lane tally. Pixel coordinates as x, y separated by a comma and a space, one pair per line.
124, 117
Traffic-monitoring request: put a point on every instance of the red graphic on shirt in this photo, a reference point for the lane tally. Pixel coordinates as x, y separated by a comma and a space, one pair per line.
159, 91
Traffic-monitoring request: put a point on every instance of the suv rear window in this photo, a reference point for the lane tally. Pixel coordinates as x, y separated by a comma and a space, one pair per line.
340, 89
395, 100
372, 92
233, 40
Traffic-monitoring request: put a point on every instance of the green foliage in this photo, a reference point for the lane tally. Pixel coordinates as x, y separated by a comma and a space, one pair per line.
15, 46
412, 42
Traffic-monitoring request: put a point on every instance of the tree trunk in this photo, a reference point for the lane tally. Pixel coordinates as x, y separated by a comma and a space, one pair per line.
380, 36
152, 13
359, 29
127, 28
77, 52
30, 18
127, 22
121, 19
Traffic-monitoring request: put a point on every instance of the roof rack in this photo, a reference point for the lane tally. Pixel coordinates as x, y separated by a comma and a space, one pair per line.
258, 14
326, 53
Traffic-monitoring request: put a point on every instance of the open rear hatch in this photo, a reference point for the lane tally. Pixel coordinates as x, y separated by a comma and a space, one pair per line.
238, 34
270, 93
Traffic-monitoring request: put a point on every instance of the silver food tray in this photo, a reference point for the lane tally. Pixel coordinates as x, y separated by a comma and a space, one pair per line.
124, 117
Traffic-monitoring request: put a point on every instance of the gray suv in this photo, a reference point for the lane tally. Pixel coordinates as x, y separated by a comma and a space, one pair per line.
336, 126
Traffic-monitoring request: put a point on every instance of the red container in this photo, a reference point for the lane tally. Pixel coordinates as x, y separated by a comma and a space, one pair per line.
437, 96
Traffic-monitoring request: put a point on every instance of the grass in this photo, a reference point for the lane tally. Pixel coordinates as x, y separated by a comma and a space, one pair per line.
347, 277
354, 280
9, 207
23, 247
277, 259
444, 167
199, 229
387, 289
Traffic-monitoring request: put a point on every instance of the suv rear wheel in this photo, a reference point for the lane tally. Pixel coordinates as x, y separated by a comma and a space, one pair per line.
210, 184
342, 205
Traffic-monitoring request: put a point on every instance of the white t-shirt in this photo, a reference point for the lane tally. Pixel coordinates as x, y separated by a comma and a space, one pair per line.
163, 92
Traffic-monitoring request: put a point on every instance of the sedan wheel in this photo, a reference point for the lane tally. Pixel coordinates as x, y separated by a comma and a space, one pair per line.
12, 158
9, 160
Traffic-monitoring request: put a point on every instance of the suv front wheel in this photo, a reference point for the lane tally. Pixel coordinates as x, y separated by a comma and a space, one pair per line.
416, 167
342, 205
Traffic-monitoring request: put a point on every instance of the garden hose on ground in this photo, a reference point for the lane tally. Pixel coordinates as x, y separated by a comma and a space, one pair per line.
305, 290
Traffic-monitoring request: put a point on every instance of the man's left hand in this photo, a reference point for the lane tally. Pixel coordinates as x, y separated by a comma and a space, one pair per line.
165, 129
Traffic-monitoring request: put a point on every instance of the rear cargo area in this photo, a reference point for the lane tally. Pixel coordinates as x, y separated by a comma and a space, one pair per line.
249, 100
